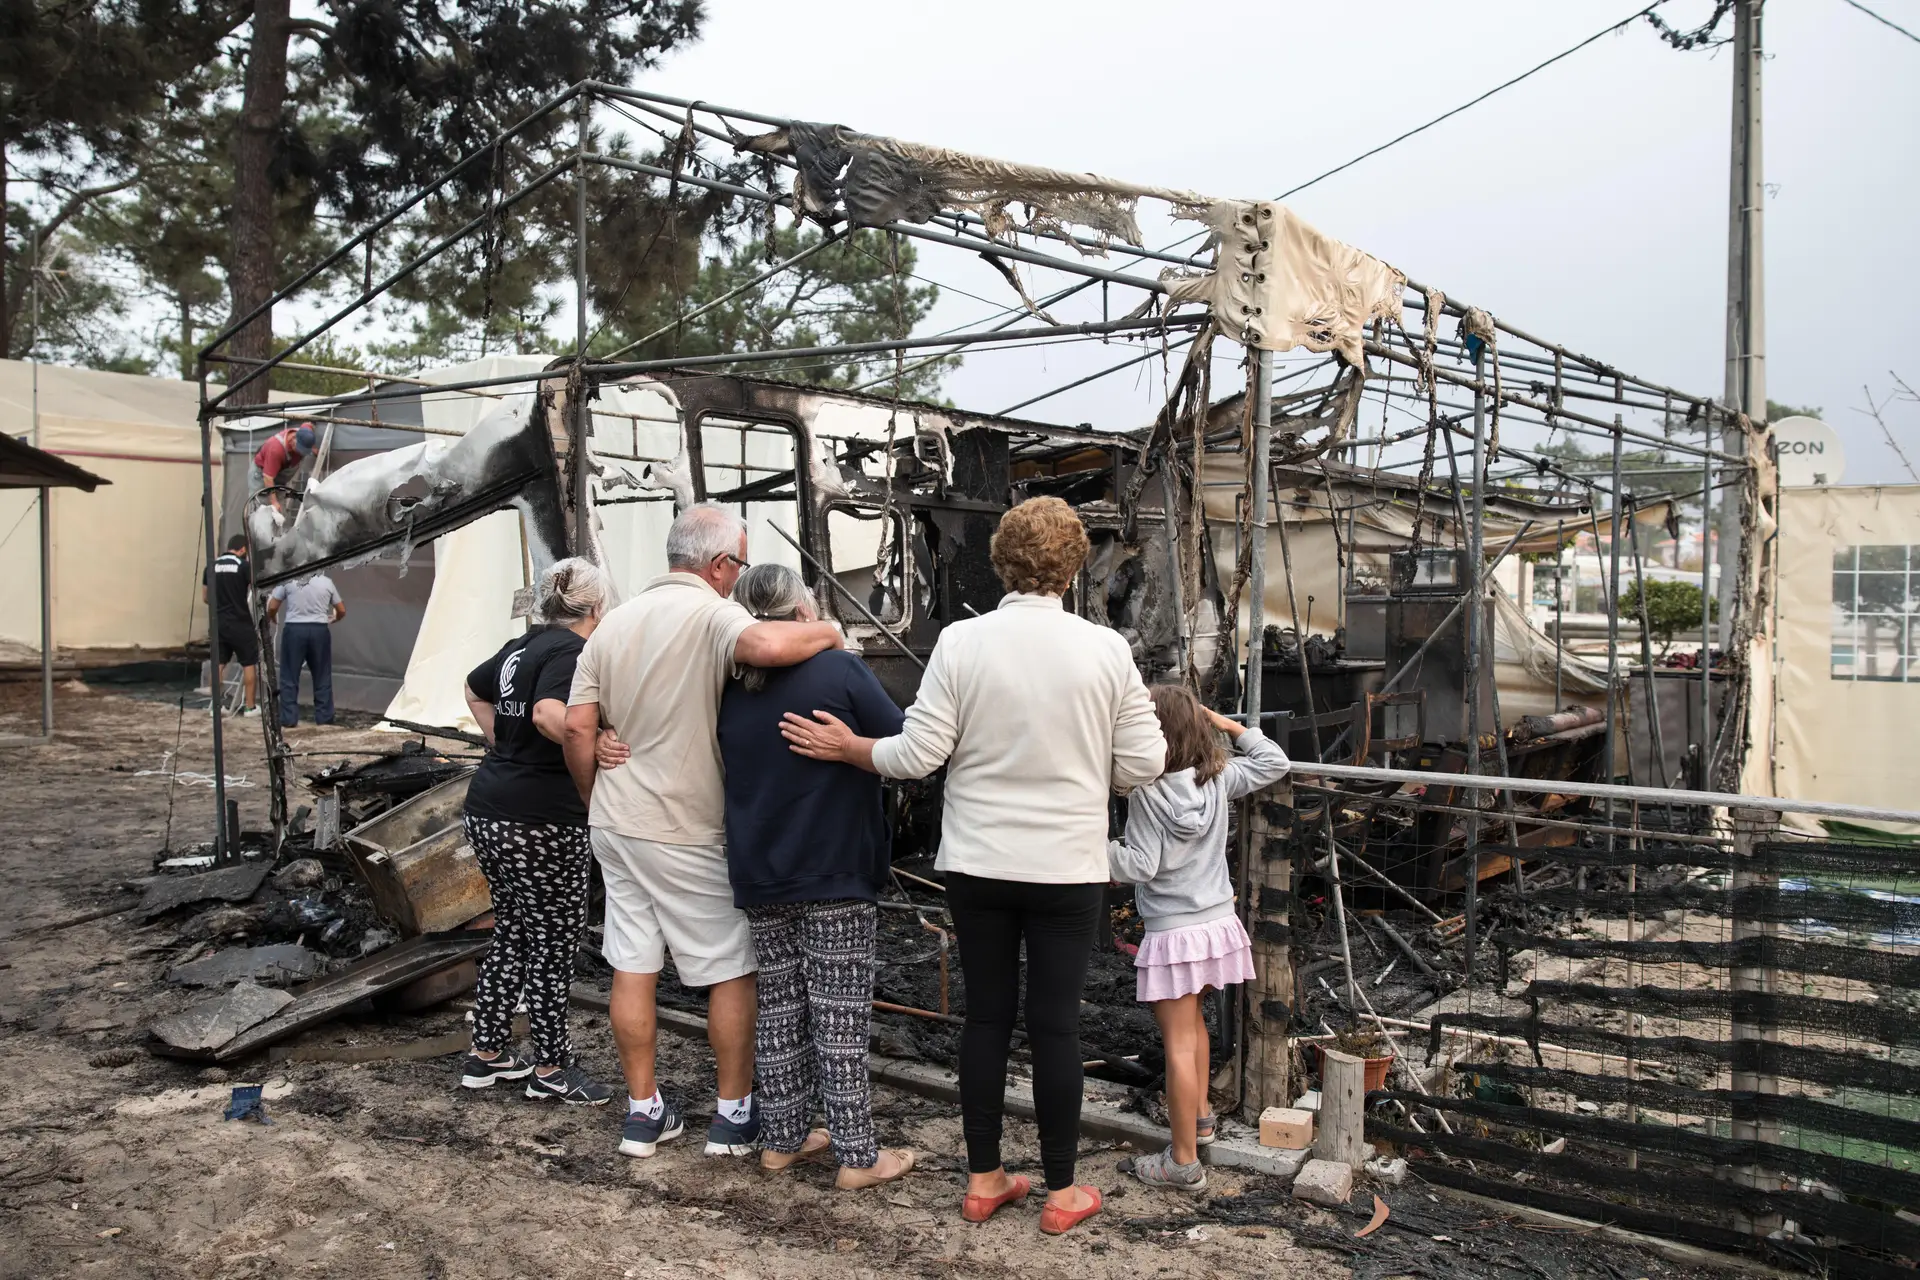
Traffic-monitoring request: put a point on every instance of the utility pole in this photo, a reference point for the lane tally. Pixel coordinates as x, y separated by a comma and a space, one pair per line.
1746, 393
1746, 389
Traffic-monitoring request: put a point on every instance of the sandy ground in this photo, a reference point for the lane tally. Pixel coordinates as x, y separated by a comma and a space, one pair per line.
125, 1168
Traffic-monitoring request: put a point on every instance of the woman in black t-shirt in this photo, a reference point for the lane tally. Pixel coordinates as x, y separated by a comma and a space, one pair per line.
528, 828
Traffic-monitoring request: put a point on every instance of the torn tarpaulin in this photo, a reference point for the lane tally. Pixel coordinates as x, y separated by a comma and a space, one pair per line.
821, 155
1281, 284
401, 497
883, 180
211, 1023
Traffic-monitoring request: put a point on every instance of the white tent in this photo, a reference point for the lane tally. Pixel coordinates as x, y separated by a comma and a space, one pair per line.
1846, 688
126, 563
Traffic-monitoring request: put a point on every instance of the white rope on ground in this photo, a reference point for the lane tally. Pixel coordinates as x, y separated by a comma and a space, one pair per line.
176, 778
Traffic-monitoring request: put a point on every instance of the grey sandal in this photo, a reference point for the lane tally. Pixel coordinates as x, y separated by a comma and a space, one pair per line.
1159, 1170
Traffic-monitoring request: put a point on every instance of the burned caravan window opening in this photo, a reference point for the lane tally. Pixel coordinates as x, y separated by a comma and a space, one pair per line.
888, 596
630, 429
751, 467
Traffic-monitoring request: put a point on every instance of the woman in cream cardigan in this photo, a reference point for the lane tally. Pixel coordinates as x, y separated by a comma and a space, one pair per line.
1039, 717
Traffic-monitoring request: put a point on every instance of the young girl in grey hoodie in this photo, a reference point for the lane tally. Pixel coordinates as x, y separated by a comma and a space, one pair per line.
1175, 853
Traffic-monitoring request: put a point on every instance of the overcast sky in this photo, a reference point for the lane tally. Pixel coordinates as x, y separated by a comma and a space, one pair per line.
1587, 205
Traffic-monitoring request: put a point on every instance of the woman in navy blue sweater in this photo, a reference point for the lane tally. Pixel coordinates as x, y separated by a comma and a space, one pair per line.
807, 850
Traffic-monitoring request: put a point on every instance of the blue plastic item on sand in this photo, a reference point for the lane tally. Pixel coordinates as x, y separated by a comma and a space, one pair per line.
246, 1104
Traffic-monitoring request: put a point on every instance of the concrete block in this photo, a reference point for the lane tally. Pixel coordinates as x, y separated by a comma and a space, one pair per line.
1324, 1182
1274, 1162
1286, 1127
1392, 1172
1308, 1101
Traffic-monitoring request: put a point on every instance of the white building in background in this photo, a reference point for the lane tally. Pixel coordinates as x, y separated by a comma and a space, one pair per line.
1579, 577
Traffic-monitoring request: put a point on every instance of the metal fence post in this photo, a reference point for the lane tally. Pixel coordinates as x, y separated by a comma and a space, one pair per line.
1752, 1063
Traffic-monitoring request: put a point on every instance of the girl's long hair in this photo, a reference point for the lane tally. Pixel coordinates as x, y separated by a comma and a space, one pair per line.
1192, 741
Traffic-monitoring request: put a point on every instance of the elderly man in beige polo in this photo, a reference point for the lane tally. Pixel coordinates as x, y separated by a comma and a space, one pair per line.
653, 672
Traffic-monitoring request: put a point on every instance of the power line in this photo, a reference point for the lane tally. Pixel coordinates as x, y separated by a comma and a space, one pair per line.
1632, 17
1882, 21
1642, 13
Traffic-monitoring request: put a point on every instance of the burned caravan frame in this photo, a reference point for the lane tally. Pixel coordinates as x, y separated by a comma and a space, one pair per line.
939, 490
939, 479
949, 472
941, 484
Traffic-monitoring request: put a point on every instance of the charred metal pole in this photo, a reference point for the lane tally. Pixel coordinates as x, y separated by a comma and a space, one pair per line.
1559, 610
579, 390
1487, 651
627, 368
216, 684
1705, 780
851, 598
1476, 591
825, 242
1613, 617
583, 112
46, 512
1658, 741
1152, 354
1170, 524
1257, 529
1602, 791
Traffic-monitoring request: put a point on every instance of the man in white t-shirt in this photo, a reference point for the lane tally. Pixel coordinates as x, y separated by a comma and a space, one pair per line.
307, 608
653, 672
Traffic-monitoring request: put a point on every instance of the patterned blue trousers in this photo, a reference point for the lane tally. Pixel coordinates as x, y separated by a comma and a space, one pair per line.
816, 1015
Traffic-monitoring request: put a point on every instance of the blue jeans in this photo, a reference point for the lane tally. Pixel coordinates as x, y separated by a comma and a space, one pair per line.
310, 643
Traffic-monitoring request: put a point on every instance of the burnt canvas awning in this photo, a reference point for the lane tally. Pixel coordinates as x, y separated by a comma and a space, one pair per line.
24, 467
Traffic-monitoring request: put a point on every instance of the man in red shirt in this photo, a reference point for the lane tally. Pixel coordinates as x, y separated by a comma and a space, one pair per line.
281, 456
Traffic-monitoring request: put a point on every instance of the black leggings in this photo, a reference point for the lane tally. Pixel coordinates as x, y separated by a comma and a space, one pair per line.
1057, 922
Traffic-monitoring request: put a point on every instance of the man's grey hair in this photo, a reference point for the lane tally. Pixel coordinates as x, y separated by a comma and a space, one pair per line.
700, 533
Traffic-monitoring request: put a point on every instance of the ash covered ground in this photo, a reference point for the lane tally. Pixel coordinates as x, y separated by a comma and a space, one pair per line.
116, 1163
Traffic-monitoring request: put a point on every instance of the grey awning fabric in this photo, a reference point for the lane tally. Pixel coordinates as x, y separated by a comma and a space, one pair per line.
882, 180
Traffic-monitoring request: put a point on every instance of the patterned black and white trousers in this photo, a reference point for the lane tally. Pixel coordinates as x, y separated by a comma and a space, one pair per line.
539, 877
816, 1015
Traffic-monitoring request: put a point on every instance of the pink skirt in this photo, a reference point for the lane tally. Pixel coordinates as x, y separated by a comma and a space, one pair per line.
1182, 962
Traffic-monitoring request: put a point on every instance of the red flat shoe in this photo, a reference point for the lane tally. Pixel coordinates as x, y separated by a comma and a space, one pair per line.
1056, 1221
980, 1208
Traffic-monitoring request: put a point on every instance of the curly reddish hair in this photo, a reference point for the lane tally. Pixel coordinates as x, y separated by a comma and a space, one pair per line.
1039, 547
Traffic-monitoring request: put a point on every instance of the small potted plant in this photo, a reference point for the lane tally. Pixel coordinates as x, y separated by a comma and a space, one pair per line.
1371, 1046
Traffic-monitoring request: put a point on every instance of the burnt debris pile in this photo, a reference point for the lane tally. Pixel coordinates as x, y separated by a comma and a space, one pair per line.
276, 940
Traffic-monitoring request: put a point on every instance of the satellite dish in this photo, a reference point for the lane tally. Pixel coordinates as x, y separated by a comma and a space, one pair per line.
1808, 452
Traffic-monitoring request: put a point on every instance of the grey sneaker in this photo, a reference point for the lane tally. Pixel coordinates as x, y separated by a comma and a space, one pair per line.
1159, 1170
641, 1136
735, 1137
480, 1073
570, 1085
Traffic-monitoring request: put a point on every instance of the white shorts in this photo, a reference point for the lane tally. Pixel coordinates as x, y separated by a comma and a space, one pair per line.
674, 898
